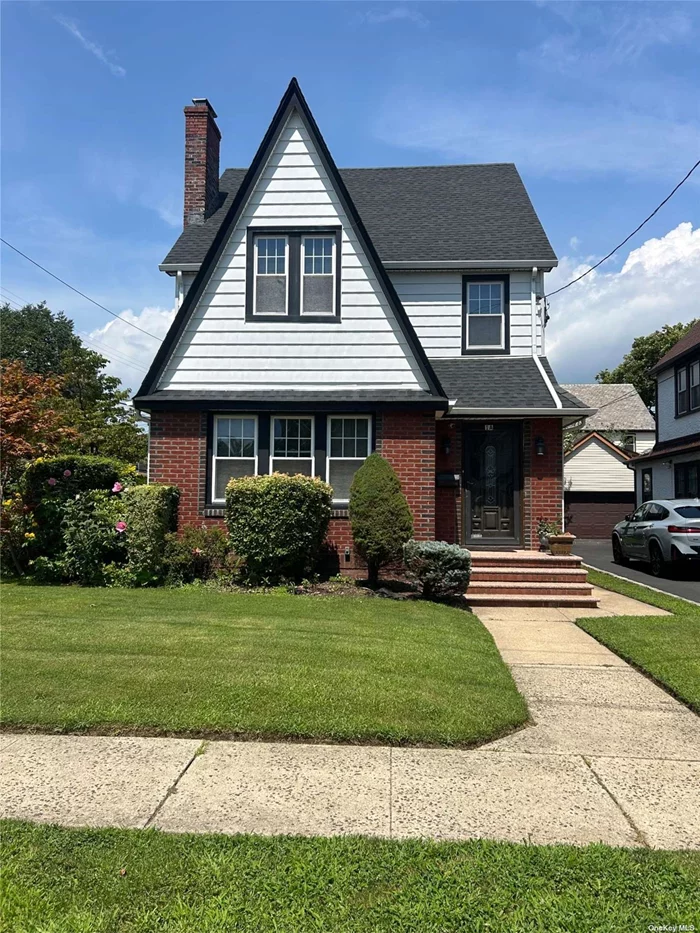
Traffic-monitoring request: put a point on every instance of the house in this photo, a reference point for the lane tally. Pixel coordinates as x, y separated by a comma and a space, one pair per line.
598, 487
325, 313
671, 469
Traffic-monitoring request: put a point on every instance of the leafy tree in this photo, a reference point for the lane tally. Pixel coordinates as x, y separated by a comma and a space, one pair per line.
93, 402
380, 518
33, 422
645, 353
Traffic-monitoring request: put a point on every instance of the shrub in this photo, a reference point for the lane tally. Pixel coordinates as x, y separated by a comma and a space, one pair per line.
379, 515
90, 533
149, 513
277, 524
195, 554
440, 568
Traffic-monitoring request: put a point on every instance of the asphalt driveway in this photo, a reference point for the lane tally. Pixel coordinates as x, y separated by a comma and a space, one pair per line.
685, 582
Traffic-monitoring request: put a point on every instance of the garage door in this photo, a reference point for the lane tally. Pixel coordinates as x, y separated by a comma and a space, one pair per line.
594, 514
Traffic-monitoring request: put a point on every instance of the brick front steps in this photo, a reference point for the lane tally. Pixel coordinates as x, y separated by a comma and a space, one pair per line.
528, 578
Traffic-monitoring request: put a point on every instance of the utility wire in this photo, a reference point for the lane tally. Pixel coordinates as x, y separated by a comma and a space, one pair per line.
78, 292
636, 230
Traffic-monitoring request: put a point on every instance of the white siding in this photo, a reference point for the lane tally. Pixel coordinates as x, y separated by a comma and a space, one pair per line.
221, 350
671, 427
644, 441
663, 476
596, 468
433, 301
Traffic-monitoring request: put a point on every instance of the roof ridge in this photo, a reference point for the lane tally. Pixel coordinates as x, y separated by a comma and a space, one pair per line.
401, 168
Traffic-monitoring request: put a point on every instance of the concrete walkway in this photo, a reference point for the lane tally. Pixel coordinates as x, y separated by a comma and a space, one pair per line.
611, 758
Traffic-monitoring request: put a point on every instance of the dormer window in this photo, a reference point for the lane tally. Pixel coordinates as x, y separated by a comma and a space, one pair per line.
486, 319
293, 275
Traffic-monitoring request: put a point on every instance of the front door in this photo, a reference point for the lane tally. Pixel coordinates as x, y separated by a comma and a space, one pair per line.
492, 484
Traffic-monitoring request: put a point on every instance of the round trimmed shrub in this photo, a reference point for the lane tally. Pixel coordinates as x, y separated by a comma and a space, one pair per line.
380, 518
440, 568
277, 524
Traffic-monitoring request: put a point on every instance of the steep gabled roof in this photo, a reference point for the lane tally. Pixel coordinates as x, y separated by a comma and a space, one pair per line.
419, 214
293, 100
686, 344
595, 436
620, 407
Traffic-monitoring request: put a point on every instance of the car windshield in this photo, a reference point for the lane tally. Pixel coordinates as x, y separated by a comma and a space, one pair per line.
688, 511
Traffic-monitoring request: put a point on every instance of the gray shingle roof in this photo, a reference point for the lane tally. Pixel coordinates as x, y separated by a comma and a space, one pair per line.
501, 382
286, 397
619, 405
447, 213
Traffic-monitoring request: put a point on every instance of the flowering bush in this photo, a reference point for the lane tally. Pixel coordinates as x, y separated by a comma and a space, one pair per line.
90, 537
18, 528
195, 554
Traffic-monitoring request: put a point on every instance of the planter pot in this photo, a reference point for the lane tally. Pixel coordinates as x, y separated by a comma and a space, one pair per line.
560, 545
544, 542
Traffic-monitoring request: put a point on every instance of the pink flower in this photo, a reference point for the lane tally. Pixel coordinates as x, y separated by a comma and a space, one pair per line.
67, 473
120, 526
197, 551
52, 481
117, 487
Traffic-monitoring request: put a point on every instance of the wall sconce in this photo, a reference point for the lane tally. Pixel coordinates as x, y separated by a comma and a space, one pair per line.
347, 555
539, 446
446, 448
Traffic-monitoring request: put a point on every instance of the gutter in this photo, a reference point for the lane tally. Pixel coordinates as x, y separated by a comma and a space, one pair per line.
172, 267
469, 263
576, 413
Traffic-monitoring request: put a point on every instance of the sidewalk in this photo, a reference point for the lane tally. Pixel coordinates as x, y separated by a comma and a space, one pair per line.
611, 757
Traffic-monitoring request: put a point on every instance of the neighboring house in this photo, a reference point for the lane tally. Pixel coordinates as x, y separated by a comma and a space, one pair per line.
598, 487
325, 313
671, 469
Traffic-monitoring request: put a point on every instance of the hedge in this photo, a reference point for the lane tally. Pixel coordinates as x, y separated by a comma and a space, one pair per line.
277, 524
150, 514
64, 477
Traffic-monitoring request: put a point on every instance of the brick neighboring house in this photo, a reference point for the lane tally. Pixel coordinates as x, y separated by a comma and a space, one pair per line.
324, 313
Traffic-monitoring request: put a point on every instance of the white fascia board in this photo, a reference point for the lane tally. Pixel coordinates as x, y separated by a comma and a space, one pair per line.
545, 264
574, 413
172, 267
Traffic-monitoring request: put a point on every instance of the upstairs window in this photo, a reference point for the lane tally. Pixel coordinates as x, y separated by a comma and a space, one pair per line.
694, 373
688, 388
682, 391
235, 451
486, 314
292, 445
348, 447
293, 275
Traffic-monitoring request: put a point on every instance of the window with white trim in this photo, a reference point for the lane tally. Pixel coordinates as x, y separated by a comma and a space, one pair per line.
271, 286
682, 391
485, 316
349, 443
292, 445
318, 275
694, 373
234, 451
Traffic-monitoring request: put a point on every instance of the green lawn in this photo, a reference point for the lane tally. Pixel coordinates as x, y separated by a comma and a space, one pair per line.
134, 881
266, 665
665, 647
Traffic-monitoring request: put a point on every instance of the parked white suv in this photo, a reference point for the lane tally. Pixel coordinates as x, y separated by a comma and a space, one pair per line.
661, 531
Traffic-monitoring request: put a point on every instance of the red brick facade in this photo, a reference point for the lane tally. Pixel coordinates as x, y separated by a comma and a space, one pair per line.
202, 142
415, 444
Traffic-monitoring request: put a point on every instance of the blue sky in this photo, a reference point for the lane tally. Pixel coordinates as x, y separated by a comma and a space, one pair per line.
598, 105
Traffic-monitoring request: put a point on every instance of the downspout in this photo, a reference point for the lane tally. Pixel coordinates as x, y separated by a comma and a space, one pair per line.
533, 310
178, 289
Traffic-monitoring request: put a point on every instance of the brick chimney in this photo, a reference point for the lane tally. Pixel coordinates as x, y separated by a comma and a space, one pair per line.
202, 140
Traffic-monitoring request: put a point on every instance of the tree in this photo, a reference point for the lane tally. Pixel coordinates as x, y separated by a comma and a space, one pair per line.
33, 422
645, 353
93, 402
380, 518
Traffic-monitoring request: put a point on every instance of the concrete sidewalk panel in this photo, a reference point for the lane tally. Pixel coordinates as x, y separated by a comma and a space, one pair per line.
591, 686
542, 799
277, 788
88, 780
662, 798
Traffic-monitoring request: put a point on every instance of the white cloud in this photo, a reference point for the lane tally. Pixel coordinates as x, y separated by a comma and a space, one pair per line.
130, 346
394, 15
92, 47
594, 322
499, 126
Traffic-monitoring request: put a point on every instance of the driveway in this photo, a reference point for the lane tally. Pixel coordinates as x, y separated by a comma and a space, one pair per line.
599, 555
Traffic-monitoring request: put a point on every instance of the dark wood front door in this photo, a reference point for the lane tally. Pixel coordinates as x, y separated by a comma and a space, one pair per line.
492, 484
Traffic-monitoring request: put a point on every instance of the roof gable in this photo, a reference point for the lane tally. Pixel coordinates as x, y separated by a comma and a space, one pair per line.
595, 438
292, 104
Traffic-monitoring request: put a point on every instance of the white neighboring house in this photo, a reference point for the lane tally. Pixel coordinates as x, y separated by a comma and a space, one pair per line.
598, 486
671, 469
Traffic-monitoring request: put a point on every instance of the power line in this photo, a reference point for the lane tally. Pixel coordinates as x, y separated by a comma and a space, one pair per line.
78, 292
14, 294
636, 230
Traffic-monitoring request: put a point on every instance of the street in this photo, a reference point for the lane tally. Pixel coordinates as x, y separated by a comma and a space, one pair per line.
685, 582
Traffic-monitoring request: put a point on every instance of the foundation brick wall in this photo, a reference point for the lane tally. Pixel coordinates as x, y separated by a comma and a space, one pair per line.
543, 484
448, 500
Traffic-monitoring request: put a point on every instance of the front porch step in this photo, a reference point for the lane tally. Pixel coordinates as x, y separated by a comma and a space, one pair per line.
524, 559
516, 588
528, 574
551, 602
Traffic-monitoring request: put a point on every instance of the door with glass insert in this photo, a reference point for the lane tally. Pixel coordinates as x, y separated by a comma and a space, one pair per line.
492, 484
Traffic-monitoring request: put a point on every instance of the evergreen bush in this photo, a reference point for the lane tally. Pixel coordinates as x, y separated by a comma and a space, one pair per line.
150, 514
380, 518
440, 568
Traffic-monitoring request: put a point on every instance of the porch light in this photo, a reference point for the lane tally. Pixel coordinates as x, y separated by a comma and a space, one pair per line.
539, 446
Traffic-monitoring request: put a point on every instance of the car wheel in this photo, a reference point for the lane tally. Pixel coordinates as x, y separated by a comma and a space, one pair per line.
618, 555
656, 559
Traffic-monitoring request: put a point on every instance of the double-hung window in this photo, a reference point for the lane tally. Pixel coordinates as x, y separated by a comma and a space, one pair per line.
688, 388
694, 375
293, 275
349, 442
682, 391
292, 445
235, 451
486, 314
